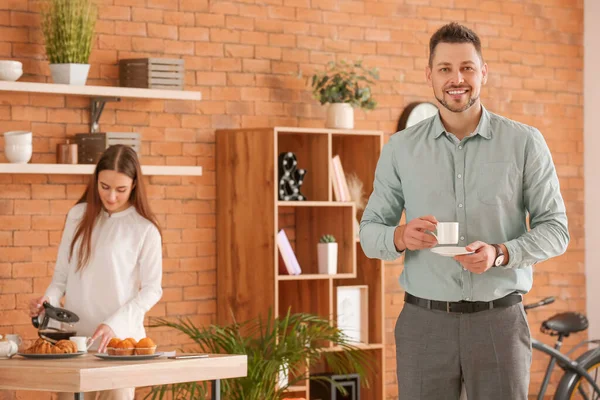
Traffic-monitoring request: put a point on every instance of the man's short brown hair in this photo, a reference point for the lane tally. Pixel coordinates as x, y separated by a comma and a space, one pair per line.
453, 33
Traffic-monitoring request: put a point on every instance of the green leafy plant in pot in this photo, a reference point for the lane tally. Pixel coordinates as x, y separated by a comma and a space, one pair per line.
344, 86
288, 345
68, 29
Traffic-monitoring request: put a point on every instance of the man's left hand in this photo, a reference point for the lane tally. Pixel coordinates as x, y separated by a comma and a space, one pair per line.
481, 260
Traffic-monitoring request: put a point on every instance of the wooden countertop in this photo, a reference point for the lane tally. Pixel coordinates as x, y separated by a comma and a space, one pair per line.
89, 373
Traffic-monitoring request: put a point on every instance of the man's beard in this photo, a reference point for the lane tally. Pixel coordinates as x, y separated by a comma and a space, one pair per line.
471, 101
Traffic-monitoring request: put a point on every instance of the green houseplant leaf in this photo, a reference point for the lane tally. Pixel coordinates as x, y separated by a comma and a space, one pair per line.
68, 29
295, 340
345, 82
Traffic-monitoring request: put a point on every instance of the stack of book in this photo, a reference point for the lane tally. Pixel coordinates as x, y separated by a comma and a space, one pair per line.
340, 186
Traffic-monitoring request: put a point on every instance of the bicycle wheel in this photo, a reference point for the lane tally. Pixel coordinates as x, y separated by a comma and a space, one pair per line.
574, 387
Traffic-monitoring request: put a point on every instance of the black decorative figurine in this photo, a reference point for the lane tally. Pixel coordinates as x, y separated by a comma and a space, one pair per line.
290, 178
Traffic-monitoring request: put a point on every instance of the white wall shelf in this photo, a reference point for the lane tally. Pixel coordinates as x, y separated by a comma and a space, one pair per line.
99, 95
99, 91
86, 169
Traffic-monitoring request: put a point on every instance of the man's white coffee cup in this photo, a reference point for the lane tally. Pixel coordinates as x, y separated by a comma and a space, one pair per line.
8, 349
83, 342
446, 232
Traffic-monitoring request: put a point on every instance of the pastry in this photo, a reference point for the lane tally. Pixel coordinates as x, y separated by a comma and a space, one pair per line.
42, 346
113, 342
124, 348
145, 346
65, 346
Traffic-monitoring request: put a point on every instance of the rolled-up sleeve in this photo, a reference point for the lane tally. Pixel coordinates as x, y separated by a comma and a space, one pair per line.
549, 235
384, 209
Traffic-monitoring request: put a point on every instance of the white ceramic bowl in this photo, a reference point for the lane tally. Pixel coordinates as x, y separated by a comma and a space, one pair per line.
10, 70
18, 153
10, 75
11, 64
18, 137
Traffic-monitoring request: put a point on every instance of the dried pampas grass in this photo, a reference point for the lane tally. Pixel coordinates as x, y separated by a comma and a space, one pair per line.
355, 187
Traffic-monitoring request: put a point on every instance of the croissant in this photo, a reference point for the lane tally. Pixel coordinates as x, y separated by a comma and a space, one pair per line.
42, 346
65, 346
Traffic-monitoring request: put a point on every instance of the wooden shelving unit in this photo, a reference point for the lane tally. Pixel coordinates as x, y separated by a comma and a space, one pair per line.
249, 215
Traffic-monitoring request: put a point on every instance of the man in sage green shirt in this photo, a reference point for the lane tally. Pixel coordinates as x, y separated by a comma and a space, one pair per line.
463, 319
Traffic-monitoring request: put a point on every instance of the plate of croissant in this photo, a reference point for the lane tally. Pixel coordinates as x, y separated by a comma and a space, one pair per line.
129, 349
44, 349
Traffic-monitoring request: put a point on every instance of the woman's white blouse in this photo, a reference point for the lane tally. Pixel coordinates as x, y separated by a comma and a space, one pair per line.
122, 280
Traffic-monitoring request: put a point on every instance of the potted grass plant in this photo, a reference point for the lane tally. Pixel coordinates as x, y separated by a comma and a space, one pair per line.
344, 86
68, 29
291, 343
327, 251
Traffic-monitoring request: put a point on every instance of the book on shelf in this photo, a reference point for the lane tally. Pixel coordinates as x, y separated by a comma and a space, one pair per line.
287, 255
340, 185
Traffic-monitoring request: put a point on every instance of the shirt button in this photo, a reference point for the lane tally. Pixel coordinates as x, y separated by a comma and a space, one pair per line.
459, 176
462, 238
460, 205
460, 147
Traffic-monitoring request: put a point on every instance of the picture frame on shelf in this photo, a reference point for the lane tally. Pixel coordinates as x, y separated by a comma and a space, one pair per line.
353, 312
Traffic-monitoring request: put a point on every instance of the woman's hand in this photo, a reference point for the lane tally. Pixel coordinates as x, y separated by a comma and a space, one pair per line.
35, 305
106, 333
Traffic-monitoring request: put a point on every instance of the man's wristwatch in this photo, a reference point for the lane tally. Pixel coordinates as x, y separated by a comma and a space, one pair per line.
499, 260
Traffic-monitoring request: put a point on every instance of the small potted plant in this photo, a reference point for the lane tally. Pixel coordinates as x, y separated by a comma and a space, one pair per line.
344, 86
327, 252
68, 29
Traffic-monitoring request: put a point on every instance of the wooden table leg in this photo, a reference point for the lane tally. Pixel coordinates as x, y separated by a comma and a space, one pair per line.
79, 396
216, 390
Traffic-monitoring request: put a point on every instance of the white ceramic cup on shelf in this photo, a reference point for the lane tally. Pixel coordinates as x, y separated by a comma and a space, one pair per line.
446, 232
18, 146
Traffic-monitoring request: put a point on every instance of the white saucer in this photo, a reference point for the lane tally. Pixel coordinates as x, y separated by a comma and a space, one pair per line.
451, 251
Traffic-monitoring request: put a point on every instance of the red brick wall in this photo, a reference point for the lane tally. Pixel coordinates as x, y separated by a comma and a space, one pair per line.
245, 58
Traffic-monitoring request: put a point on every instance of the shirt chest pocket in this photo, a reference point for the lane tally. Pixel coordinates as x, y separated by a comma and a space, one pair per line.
497, 182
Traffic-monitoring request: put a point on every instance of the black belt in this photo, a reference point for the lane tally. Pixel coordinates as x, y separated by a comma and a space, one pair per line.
463, 307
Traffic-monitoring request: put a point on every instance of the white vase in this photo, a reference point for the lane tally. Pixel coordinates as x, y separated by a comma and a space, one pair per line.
283, 378
327, 258
70, 74
340, 116
18, 146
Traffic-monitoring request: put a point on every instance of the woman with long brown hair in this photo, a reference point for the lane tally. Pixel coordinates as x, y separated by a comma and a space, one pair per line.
109, 264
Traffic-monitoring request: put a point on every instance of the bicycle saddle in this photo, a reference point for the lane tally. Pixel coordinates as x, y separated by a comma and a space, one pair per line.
565, 323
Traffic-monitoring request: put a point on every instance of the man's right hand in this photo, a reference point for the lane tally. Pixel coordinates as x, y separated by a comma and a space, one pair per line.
413, 236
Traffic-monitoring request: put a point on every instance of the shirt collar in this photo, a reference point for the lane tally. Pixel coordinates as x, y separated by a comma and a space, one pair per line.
483, 128
119, 214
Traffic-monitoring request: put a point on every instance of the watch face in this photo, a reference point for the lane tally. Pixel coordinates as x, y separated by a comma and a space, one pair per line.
415, 113
499, 261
